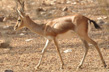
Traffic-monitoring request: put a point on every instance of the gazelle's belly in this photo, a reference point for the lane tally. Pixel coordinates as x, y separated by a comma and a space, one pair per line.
66, 35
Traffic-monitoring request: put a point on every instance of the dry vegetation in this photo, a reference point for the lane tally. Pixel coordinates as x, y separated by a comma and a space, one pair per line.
22, 56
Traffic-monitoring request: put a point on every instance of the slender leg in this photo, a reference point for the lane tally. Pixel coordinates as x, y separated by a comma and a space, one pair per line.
97, 48
86, 51
100, 55
57, 48
43, 51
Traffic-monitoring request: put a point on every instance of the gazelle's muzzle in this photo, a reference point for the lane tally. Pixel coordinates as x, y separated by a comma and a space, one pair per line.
15, 27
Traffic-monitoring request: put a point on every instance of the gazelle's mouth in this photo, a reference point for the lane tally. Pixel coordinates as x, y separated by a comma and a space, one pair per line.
15, 29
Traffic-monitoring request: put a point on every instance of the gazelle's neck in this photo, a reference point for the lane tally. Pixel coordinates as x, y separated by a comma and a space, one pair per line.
34, 27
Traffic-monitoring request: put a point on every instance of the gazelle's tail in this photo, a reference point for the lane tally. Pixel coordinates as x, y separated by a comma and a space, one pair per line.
95, 24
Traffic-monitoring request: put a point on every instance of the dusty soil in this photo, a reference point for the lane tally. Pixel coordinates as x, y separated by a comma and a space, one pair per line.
23, 56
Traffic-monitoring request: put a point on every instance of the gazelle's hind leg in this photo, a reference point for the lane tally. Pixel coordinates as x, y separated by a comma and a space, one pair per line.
86, 51
89, 40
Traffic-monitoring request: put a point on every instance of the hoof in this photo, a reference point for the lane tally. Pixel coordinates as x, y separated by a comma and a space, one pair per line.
62, 66
79, 67
105, 66
37, 68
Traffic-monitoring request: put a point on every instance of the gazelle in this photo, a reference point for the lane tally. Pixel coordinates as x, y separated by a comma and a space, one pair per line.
59, 27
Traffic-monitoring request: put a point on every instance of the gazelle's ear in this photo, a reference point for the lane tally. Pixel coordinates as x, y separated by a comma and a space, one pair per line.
20, 13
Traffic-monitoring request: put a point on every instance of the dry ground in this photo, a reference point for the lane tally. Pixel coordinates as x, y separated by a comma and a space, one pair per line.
23, 56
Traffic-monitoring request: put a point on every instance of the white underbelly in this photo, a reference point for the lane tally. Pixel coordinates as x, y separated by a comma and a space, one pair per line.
69, 34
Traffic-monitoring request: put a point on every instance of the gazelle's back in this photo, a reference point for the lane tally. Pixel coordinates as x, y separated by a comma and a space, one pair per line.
66, 26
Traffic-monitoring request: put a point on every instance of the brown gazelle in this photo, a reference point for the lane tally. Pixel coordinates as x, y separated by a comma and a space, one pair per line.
56, 28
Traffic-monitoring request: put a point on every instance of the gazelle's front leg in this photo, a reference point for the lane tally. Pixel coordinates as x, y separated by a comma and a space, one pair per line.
43, 51
57, 48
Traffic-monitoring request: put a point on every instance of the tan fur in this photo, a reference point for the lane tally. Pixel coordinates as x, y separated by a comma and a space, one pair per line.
61, 25
56, 28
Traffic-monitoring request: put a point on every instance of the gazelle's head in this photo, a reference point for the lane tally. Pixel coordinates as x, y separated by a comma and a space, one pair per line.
21, 21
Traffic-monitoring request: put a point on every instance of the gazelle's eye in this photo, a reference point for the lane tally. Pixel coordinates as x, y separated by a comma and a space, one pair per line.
19, 20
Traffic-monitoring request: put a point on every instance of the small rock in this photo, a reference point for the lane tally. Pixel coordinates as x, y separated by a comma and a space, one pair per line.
104, 17
65, 9
42, 13
8, 71
33, 3
8, 27
100, 22
22, 34
5, 27
4, 45
27, 40
40, 9
68, 50
74, 3
53, 3
68, 2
